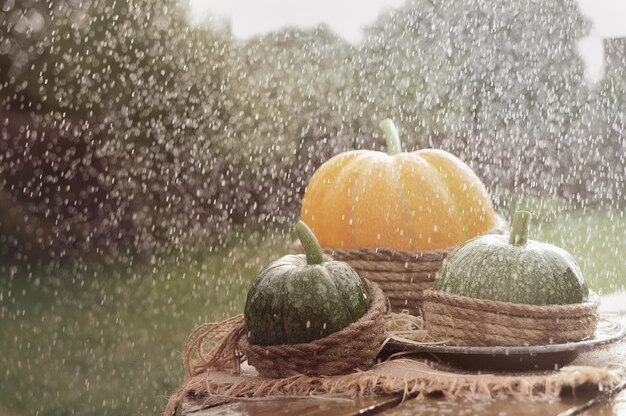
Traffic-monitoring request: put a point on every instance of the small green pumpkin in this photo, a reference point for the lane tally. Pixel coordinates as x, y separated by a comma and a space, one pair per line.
516, 270
301, 298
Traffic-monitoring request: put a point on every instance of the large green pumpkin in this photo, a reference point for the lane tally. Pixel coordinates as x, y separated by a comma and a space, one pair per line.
514, 270
301, 298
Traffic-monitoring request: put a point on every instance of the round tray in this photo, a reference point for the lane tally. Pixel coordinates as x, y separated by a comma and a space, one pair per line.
535, 357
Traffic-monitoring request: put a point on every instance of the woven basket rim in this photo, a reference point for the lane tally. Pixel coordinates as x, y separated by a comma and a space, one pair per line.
386, 254
371, 314
514, 309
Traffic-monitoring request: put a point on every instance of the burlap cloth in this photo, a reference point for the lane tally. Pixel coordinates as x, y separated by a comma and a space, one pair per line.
409, 377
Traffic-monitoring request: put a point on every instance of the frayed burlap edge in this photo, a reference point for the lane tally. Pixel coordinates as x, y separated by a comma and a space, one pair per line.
402, 275
461, 320
401, 376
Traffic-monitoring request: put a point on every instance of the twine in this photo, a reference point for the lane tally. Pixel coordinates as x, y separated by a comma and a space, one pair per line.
478, 322
354, 347
402, 275
224, 346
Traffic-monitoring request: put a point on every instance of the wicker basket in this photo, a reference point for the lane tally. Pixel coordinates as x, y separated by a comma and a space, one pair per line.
402, 275
461, 320
354, 347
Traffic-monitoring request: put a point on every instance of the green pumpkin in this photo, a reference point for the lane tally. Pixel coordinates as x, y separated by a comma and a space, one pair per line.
514, 270
301, 298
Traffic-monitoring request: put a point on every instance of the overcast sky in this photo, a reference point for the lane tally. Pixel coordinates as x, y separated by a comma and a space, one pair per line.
347, 17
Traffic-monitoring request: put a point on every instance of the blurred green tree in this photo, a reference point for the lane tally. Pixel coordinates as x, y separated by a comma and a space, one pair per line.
471, 74
292, 95
134, 87
136, 127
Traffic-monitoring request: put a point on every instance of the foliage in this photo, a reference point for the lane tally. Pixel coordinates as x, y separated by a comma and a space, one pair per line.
143, 93
147, 130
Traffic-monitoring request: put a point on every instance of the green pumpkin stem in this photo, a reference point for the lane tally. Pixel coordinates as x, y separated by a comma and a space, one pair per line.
392, 136
312, 249
519, 228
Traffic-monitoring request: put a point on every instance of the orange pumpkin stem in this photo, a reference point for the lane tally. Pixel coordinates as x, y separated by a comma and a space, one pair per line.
392, 136
519, 228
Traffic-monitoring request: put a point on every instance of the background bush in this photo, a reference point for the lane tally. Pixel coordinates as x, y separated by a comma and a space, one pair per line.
125, 128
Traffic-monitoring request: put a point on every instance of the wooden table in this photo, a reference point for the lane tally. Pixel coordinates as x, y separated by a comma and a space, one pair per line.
393, 405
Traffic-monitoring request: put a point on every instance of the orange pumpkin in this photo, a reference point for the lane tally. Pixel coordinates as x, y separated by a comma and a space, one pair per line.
421, 200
